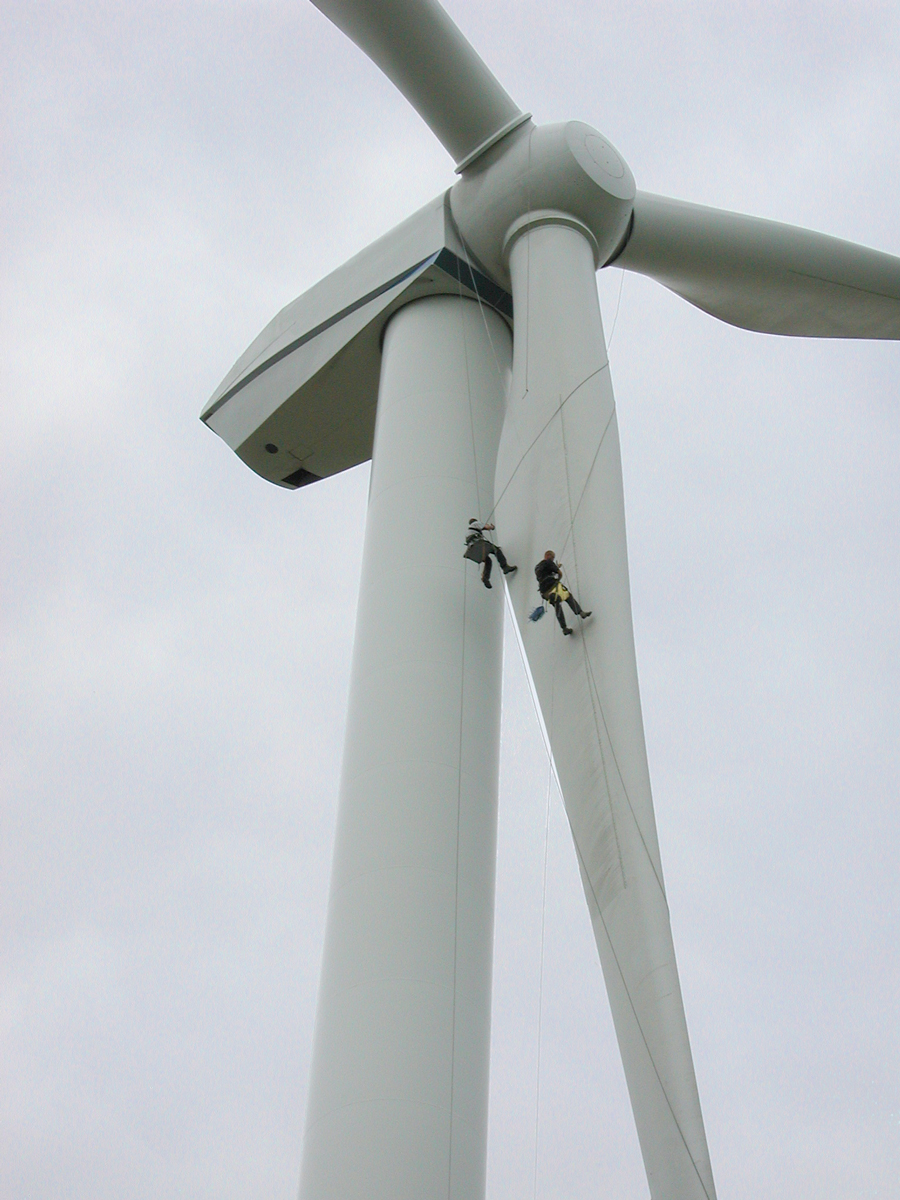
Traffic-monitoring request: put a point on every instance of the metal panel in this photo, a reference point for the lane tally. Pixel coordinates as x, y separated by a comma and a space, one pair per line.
300, 403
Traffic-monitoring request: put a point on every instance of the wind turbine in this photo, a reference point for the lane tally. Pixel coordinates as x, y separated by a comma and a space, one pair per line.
464, 353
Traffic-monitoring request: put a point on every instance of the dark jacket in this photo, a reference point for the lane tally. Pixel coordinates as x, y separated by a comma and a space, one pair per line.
548, 575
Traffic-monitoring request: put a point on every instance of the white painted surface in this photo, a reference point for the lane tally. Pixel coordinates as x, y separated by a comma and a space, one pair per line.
428, 59
764, 275
568, 167
559, 487
399, 1089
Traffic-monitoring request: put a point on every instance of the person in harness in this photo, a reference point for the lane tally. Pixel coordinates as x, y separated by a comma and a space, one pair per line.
554, 591
479, 550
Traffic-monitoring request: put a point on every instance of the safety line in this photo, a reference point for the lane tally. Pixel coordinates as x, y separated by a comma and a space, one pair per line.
637, 1019
594, 694
481, 304
612, 815
594, 691
528, 176
616, 316
593, 688
588, 479
544, 429
462, 694
537, 1099
546, 737
469, 393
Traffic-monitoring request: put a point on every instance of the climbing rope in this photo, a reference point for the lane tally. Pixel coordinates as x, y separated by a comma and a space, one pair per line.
600, 722
537, 1086
616, 314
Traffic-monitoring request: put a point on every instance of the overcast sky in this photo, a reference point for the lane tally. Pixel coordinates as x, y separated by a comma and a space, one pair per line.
177, 633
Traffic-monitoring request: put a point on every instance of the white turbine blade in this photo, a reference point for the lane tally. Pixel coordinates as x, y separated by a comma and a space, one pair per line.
559, 487
763, 275
426, 57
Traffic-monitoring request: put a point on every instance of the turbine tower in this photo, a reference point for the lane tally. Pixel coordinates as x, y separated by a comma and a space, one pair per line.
464, 354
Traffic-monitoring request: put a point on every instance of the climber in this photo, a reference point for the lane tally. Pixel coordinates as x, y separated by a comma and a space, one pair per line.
554, 591
479, 550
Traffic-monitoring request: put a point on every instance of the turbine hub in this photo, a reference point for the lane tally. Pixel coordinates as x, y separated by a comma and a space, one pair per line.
538, 171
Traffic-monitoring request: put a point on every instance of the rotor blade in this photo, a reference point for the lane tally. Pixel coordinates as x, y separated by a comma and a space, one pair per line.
559, 486
763, 275
423, 54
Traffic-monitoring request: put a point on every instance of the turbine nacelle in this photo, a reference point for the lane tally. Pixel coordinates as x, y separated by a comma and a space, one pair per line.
538, 174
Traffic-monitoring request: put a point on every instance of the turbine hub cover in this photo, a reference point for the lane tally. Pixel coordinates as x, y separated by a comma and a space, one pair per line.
568, 168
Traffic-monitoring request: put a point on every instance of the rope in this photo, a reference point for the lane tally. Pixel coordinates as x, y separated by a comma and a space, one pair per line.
599, 717
587, 481
565, 400
593, 689
637, 1021
562, 425
598, 713
532, 690
616, 316
537, 1096
546, 740
469, 393
459, 765
596, 704
551, 777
